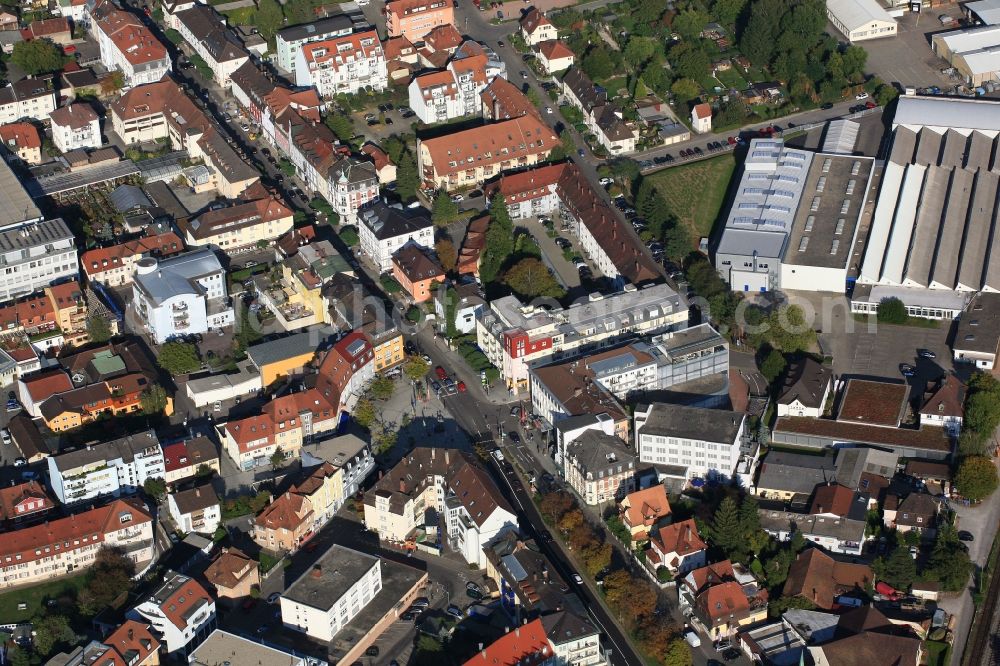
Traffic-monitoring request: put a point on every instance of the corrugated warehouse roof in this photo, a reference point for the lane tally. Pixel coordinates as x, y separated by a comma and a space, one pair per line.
855, 14
948, 112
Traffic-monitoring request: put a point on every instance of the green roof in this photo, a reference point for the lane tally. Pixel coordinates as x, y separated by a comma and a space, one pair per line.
327, 267
108, 363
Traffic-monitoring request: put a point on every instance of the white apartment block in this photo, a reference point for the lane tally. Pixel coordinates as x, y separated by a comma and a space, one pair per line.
27, 98
34, 256
343, 65
328, 595
112, 468
351, 184
705, 441
289, 42
435, 98
205, 31
383, 229
180, 612
65, 546
181, 295
129, 47
515, 336
195, 510
75, 126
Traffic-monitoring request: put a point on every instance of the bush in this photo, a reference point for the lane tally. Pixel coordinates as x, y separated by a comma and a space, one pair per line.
663, 574
892, 311
976, 478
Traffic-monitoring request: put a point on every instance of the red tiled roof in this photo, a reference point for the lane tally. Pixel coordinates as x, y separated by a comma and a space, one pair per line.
133, 642
47, 383
250, 429
377, 155
443, 38
712, 574
832, 498
427, 83
947, 400
182, 600
396, 47
76, 116
647, 506
229, 568
506, 101
21, 135
504, 141
703, 110
132, 38
722, 600
336, 57
24, 494
681, 538
288, 511
818, 577
532, 19
554, 49
526, 645
45, 28
161, 245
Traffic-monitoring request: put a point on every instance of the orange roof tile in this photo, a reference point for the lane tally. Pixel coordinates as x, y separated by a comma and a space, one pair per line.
681, 538
24, 499
647, 506
182, 601
329, 51
47, 383
133, 642
523, 646
504, 141
21, 135
533, 19
554, 49
102, 259
289, 511
132, 38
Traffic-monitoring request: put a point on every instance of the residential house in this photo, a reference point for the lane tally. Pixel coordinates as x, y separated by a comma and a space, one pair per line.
413, 19
701, 118
128, 46
525, 644
56, 30
642, 510
115, 265
916, 511
402, 59
331, 593
470, 157
247, 223
448, 484
558, 395
806, 389
232, 576
117, 467
21, 141
602, 116
64, 546
285, 524
195, 510
384, 229
435, 97
181, 295
944, 405
678, 547
289, 41
723, 605
75, 126
36, 388
536, 28
70, 312
324, 488
708, 442
468, 303
181, 613
28, 98
600, 467
343, 65
24, 503
205, 31
820, 579
554, 56
416, 271
573, 639
353, 183
834, 533
351, 455
188, 458
384, 168
527, 582
134, 644
502, 100
9, 21
866, 636
283, 357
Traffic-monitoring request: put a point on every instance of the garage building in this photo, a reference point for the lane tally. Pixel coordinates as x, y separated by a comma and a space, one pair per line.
859, 20
975, 52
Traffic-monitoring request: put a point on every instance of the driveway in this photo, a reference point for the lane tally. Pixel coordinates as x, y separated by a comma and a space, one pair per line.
567, 275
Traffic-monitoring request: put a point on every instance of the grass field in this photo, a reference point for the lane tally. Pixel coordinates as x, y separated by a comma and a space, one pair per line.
35, 597
695, 192
731, 79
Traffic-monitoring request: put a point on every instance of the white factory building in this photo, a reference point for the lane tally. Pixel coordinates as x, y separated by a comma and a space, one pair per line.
859, 20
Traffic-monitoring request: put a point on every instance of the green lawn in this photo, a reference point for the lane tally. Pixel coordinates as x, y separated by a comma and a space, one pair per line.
695, 192
731, 79
938, 653
35, 597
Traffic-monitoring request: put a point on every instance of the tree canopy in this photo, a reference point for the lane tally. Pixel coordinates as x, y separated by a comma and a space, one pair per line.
178, 358
407, 178
446, 254
976, 478
499, 240
444, 211
530, 278
38, 56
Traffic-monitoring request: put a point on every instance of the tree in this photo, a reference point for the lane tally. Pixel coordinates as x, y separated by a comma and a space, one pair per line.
727, 11
381, 388
110, 578
777, 607
949, 563
98, 329
153, 400
499, 240
758, 39
900, 570
597, 63
626, 171
639, 50
788, 329
18, 656
571, 520
156, 488
755, 538
554, 505
976, 478
38, 56
891, 310
773, 366
690, 23
407, 178
112, 83
51, 632
394, 147
277, 459
678, 653
689, 61
178, 358
444, 210
685, 89
364, 413
530, 278
340, 125
415, 368
269, 18
982, 407
446, 254
597, 558
726, 531
854, 59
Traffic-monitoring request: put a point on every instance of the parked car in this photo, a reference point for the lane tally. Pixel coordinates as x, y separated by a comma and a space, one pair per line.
372, 651
906, 370
5, 436
421, 603
965, 535
455, 611
20, 462
457, 198
926, 353
273, 597
861, 95
461, 387
514, 437
692, 638
475, 194
606, 181
577, 579
440, 372
826, 106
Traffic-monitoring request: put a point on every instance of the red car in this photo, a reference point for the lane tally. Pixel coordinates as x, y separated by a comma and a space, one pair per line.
441, 374
461, 386
870, 104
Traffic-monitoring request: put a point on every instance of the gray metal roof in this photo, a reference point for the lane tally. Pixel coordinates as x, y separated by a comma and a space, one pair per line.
123, 448
334, 25
322, 585
711, 425
178, 275
127, 197
284, 348
15, 203
942, 112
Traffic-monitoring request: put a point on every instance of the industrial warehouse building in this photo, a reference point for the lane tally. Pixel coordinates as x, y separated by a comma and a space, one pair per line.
974, 52
859, 20
795, 216
933, 241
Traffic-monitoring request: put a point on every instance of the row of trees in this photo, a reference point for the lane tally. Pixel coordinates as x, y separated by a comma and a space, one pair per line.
948, 564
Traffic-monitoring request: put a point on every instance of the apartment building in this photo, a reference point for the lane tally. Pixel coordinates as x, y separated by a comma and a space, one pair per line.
34, 256
600, 467
435, 98
603, 117
352, 184
470, 157
562, 638
343, 65
245, 224
113, 468
708, 442
384, 229
187, 458
554, 56
64, 546
128, 46
28, 98
71, 312
24, 503
206, 32
181, 295
181, 612
115, 265
75, 126
515, 336
289, 41
232, 575
195, 510
413, 19
21, 141
331, 593
157, 111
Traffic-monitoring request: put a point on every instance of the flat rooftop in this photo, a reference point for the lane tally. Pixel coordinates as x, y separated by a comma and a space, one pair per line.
873, 402
220, 648
833, 202
331, 577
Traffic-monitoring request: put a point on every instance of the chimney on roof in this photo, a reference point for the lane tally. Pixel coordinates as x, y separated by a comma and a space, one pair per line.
317, 571
402, 486
130, 633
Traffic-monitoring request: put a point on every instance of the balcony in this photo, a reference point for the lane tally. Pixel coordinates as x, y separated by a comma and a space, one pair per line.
179, 307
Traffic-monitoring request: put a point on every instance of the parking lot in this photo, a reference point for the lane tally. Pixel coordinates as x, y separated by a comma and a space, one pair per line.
907, 58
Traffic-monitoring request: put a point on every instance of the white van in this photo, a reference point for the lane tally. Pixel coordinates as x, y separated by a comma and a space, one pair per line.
692, 638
